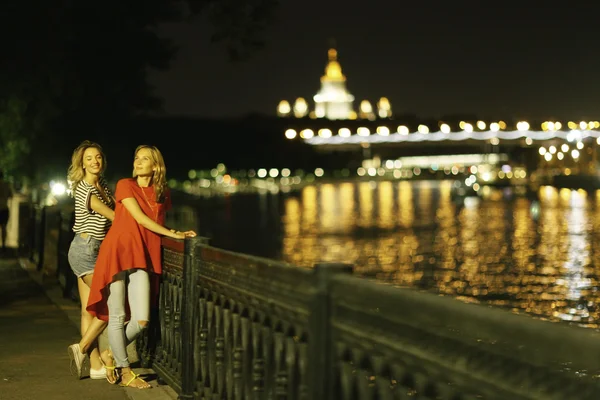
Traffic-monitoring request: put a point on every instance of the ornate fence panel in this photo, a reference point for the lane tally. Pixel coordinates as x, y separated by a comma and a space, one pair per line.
251, 321
237, 327
392, 343
161, 347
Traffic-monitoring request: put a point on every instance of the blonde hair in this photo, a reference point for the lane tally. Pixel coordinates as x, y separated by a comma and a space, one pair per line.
76, 172
159, 179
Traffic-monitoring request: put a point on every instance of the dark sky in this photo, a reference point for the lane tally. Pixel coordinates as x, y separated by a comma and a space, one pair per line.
432, 58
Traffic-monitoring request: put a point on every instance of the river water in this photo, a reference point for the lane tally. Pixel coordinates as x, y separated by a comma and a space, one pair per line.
534, 255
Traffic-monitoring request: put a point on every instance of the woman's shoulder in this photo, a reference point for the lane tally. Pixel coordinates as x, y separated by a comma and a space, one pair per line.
126, 181
126, 187
83, 187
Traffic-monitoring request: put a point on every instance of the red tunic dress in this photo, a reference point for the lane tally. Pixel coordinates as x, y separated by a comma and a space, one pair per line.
128, 244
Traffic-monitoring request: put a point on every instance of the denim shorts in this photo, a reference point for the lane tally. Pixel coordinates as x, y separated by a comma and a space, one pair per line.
83, 253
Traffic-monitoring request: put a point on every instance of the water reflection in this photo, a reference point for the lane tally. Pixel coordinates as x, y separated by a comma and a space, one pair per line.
531, 256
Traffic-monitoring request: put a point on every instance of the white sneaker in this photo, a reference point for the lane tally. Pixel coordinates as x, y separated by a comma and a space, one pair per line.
98, 373
80, 363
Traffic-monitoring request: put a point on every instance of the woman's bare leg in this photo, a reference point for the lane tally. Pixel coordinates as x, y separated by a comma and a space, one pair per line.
94, 330
83, 285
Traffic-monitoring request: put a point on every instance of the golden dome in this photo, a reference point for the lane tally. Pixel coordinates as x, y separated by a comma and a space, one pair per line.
333, 70
332, 53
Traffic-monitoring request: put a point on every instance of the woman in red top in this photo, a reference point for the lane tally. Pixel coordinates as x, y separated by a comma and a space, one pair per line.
130, 256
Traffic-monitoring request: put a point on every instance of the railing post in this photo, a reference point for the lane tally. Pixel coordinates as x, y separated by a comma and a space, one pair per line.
33, 232
40, 235
188, 314
23, 241
63, 269
320, 347
59, 222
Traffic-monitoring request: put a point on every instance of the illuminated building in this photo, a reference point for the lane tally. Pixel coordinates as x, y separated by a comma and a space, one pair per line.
334, 101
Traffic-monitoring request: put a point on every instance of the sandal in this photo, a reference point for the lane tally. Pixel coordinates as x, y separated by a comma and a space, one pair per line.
135, 376
114, 372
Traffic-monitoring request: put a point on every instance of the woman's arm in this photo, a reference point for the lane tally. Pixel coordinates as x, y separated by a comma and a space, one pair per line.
98, 206
136, 212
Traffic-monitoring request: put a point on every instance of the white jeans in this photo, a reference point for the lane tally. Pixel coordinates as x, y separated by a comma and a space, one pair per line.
138, 296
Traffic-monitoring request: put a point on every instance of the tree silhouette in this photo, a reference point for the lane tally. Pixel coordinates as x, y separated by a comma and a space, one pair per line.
71, 66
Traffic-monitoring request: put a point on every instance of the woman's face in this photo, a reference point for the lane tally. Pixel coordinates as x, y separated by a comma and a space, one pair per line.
92, 160
143, 164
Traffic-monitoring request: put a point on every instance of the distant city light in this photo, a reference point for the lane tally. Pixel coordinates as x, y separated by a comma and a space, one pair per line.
300, 107
522, 126
290, 134
325, 133
284, 108
575, 154
362, 131
403, 130
58, 188
307, 134
383, 130
344, 132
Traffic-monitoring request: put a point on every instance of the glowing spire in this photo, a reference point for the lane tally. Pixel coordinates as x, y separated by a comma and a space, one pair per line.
333, 70
332, 54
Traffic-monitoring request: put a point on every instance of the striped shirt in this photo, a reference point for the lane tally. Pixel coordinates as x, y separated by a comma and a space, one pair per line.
87, 220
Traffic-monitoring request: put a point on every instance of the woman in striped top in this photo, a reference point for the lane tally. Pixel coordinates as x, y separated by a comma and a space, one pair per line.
94, 212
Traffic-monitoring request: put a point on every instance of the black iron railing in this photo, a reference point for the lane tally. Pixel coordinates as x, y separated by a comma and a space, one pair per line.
233, 326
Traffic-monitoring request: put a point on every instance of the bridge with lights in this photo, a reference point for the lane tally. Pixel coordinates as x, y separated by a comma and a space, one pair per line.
520, 138
468, 134
545, 148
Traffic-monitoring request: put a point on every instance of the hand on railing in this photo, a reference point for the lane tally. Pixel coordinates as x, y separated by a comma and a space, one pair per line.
182, 235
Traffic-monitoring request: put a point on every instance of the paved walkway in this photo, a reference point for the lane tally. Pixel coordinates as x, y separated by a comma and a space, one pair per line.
36, 326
